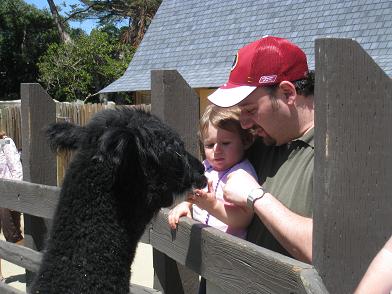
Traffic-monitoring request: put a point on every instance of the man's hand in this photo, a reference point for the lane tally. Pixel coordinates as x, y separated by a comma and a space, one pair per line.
238, 186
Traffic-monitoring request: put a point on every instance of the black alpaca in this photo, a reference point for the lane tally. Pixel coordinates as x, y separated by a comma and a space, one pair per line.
128, 165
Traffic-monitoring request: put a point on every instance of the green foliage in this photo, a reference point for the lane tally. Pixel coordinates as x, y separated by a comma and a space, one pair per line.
139, 14
82, 68
25, 34
109, 11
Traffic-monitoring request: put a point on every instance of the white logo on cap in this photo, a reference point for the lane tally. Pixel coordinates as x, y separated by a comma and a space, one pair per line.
267, 79
235, 62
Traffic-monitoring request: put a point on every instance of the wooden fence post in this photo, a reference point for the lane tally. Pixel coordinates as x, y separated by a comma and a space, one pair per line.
39, 162
353, 162
176, 103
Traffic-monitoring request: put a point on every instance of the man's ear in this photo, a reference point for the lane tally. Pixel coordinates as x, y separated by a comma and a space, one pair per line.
288, 90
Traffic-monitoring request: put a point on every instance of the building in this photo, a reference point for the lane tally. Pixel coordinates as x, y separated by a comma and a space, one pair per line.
199, 38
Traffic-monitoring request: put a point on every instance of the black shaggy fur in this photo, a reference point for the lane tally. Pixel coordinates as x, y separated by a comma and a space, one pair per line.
128, 165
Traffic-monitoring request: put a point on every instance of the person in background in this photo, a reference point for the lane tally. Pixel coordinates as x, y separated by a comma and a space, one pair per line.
224, 146
10, 168
378, 277
271, 83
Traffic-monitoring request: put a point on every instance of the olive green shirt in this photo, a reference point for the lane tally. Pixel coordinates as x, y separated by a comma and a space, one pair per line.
286, 172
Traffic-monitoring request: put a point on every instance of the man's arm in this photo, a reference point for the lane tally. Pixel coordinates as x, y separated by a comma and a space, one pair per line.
293, 231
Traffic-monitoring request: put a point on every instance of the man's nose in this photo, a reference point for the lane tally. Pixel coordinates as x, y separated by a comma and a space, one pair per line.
246, 122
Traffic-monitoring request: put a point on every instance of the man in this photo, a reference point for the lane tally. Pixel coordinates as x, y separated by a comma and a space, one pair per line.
273, 87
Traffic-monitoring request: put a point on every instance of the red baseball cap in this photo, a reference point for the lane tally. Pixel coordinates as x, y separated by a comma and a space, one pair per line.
265, 62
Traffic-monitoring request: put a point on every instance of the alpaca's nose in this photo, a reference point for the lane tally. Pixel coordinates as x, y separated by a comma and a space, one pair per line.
200, 182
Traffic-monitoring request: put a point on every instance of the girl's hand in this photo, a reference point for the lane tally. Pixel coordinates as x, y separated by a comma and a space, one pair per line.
182, 209
205, 200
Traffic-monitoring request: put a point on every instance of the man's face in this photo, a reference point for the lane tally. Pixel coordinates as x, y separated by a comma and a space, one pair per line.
264, 115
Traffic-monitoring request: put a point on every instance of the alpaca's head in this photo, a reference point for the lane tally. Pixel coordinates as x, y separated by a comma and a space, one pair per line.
148, 158
170, 171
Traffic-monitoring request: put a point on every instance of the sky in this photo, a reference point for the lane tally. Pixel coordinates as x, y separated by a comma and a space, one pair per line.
86, 25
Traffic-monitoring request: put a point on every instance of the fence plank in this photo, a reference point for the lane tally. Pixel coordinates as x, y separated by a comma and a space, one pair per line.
31, 259
174, 101
38, 110
235, 265
10, 123
22, 256
34, 199
312, 281
6, 289
39, 162
353, 162
137, 289
177, 104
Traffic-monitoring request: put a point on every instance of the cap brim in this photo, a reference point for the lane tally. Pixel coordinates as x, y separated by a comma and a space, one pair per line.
227, 96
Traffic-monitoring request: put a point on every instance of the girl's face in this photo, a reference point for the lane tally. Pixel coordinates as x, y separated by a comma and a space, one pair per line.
222, 148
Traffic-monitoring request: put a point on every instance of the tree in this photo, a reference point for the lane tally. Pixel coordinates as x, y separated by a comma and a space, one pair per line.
80, 69
59, 23
138, 12
25, 34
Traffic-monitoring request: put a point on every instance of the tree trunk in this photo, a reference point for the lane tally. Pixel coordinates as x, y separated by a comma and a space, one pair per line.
63, 34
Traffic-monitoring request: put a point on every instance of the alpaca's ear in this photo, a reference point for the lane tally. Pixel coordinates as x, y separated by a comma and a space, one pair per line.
64, 135
114, 144
125, 147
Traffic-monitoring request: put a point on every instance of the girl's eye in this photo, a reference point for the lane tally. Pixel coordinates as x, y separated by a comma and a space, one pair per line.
225, 143
209, 146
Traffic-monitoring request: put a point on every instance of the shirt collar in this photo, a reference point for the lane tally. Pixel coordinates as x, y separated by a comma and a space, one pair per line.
307, 138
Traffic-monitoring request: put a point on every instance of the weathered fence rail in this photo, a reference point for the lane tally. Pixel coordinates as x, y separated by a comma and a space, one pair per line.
351, 93
237, 265
79, 113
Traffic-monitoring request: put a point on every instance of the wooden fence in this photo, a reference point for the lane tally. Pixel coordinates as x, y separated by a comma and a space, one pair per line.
79, 113
10, 123
352, 208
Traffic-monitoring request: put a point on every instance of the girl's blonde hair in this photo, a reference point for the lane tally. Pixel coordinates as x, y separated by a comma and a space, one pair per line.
2, 134
224, 118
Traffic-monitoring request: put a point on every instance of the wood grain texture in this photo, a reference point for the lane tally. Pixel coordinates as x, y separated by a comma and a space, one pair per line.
34, 199
235, 265
6, 289
137, 289
39, 162
31, 260
177, 104
20, 255
353, 162
38, 110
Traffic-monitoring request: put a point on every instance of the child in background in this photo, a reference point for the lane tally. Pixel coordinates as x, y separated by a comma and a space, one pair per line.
10, 168
224, 145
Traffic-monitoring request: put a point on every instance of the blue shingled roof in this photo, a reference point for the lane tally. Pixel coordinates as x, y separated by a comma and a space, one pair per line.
199, 38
